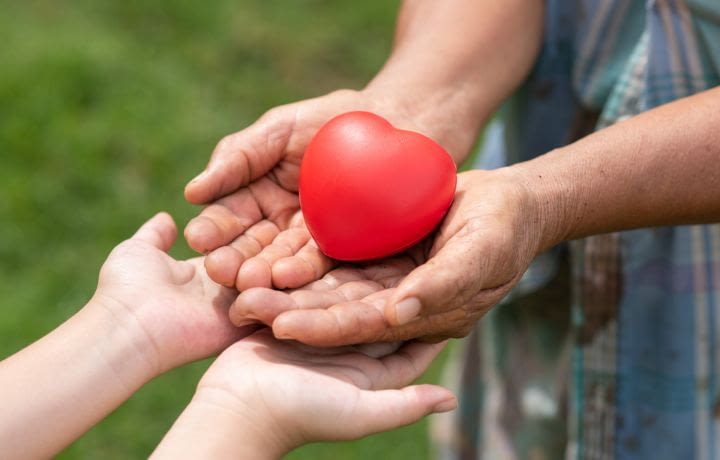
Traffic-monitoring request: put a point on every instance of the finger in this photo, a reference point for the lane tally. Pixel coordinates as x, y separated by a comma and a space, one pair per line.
306, 266
346, 292
447, 281
160, 231
224, 263
276, 202
242, 157
379, 349
394, 370
227, 218
335, 279
259, 305
363, 321
257, 271
221, 222
408, 363
336, 287
342, 324
387, 273
264, 304
384, 410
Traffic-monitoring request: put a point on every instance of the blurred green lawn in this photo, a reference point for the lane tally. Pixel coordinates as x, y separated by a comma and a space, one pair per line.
107, 108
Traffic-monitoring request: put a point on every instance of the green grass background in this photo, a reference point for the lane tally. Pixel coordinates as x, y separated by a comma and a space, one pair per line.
107, 108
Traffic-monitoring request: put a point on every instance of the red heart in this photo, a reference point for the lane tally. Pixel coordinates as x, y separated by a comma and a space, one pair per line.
369, 190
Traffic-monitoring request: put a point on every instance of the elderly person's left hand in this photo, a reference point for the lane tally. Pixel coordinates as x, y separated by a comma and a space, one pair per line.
655, 169
436, 290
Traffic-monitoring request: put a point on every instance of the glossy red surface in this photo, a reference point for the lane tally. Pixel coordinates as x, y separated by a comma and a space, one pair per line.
369, 190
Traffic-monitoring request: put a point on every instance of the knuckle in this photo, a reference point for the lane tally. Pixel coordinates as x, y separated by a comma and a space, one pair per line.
273, 113
125, 249
343, 93
274, 116
476, 308
463, 331
458, 323
225, 143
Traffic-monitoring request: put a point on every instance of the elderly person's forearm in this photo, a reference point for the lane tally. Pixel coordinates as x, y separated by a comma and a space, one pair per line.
455, 61
659, 168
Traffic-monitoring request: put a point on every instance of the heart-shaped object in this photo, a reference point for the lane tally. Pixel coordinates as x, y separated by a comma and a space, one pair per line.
369, 190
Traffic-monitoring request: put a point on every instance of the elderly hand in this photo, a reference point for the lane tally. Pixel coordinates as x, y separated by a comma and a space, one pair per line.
253, 219
434, 291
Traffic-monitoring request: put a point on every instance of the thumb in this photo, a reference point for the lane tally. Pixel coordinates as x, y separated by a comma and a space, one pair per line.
160, 231
449, 279
389, 409
243, 157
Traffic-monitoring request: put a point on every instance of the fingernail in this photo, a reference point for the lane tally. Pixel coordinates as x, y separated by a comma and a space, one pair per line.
281, 335
245, 322
446, 406
407, 310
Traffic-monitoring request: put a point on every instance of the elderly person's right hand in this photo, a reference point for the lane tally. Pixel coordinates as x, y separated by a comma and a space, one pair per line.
251, 183
451, 66
655, 169
436, 290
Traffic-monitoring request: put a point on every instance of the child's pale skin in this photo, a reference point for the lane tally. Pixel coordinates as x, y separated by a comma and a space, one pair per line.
273, 396
152, 313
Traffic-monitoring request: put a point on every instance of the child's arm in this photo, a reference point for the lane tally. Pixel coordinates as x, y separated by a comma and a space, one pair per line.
149, 314
263, 397
58, 387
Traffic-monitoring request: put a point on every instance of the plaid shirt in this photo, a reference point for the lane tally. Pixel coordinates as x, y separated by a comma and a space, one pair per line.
608, 349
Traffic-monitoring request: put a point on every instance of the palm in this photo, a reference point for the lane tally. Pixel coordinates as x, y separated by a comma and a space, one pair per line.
358, 288
252, 184
182, 312
474, 259
334, 385
253, 178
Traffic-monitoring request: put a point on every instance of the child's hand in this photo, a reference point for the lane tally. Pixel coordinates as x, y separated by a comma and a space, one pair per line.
263, 397
150, 313
170, 308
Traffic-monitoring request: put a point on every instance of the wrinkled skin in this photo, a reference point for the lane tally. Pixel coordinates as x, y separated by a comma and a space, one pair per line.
256, 239
481, 250
253, 220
